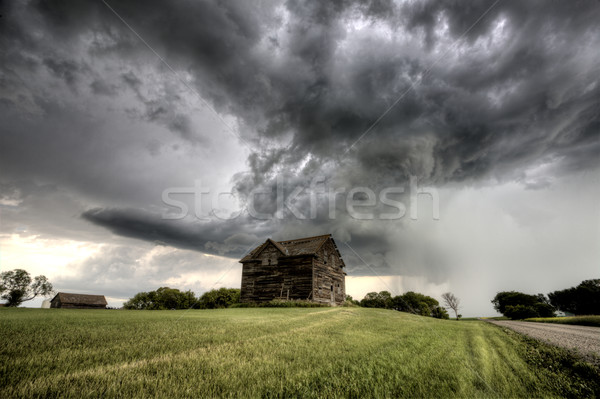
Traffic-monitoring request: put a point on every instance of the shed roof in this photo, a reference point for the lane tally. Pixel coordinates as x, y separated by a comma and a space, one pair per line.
298, 246
81, 299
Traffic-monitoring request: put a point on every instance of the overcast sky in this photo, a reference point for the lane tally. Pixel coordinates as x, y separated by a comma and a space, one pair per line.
114, 114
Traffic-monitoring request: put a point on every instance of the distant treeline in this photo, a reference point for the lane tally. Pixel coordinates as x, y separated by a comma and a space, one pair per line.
166, 298
411, 302
584, 299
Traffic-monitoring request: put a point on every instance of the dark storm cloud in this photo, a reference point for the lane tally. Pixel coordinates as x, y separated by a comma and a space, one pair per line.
297, 73
495, 109
221, 238
101, 87
66, 70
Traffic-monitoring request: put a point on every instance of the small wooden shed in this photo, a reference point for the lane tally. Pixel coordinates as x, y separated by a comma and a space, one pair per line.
78, 301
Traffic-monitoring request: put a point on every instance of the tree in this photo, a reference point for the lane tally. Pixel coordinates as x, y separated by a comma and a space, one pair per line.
381, 299
161, 299
416, 303
221, 298
17, 287
412, 302
451, 302
371, 301
519, 312
544, 309
517, 305
386, 298
351, 300
513, 298
583, 299
439, 313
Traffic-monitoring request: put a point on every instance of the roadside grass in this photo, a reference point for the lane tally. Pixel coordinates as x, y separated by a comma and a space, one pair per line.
593, 321
275, 352
566, 372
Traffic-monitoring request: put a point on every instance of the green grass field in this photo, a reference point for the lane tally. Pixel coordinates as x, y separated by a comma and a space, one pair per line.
274, 352
593, 321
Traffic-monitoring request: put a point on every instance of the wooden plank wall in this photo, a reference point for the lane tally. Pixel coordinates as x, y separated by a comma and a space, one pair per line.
276, 277
289, 279
329, 273
74, 306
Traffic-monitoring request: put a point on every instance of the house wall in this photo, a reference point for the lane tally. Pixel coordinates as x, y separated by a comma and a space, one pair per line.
78, 306
272, 277
289, 279
329, 276
57, 304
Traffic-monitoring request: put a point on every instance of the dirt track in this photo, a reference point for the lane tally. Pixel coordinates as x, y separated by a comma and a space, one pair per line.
583, 339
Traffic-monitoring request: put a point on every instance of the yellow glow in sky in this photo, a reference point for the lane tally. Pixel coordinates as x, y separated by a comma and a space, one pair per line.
42, 255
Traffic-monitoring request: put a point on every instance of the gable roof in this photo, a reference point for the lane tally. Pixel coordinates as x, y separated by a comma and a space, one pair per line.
298, 246
304, 246
81, 299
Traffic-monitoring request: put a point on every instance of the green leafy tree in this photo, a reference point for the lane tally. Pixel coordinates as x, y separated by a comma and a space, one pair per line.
381, 299
518, 312
161, 299
439, 313
512, 298
544, 309
351, 300
371, 301
221, 298
141, 301
16, 287
412, 302
386, 298
583, 299
517, 305
417, 303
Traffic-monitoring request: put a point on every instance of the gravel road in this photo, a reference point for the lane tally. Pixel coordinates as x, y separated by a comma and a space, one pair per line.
583, 339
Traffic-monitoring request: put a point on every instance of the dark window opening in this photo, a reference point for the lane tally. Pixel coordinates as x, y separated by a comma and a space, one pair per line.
332, 288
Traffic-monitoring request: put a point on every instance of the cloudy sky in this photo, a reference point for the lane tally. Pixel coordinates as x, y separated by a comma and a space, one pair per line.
446, 146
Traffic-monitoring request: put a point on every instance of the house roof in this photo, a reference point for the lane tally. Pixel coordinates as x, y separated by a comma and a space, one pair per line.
298, 246
81, 299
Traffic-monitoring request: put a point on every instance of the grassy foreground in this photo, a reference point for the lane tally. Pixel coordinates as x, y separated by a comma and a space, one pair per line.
593, 321
272, 352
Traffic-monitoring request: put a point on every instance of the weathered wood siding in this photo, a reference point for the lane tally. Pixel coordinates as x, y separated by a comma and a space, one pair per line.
57, 304
274, 276
329, 276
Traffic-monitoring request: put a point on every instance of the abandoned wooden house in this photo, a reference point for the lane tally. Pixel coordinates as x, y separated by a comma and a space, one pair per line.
306, 268
78, 301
